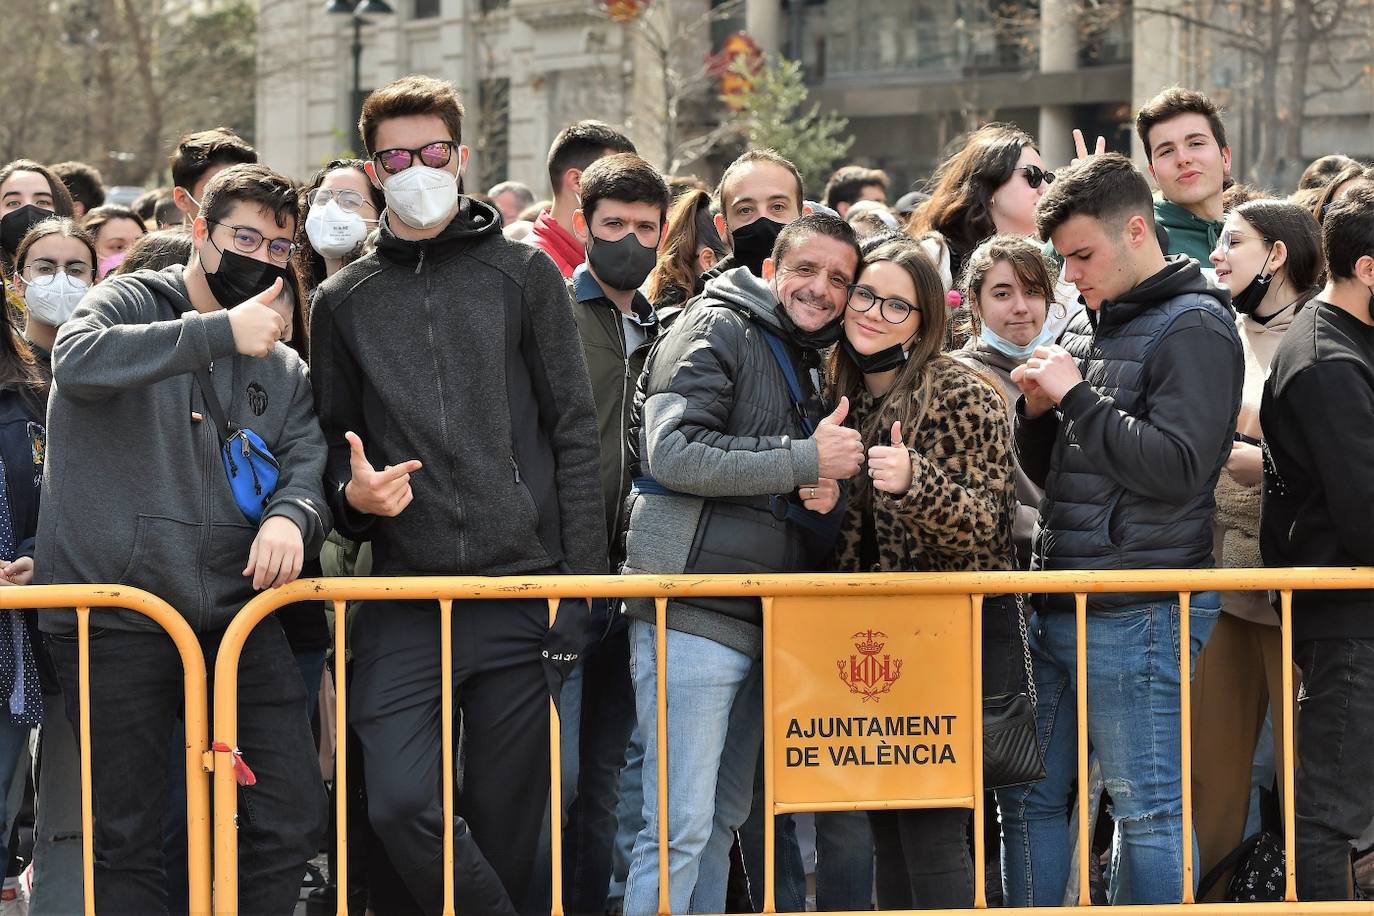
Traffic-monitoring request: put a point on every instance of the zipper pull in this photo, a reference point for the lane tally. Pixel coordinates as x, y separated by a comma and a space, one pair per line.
420, 263
246, 451
516, 468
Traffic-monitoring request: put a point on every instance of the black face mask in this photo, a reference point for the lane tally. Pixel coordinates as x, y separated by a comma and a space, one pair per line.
885, 359
239, 277
623, 264
810, 340
1247, 300
753, 244
17, 223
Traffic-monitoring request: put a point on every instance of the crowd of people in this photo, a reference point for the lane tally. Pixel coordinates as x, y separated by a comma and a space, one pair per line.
239, 380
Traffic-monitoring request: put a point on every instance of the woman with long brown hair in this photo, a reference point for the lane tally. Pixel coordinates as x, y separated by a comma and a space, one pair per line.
938, 497
989, 187
691, 247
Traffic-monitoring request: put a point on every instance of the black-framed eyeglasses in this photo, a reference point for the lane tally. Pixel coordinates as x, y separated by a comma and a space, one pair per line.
1035, 175
397, 159
893, 311
348, 200
248, 240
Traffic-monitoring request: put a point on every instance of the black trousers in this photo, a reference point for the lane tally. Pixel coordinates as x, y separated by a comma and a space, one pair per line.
136, 698
923, 857
500, 690
1334, 798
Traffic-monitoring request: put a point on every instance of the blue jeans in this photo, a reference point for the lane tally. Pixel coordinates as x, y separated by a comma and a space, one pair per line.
629, 814
1133, 725
715, 713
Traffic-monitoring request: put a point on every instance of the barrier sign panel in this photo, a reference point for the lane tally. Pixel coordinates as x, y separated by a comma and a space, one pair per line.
872, 699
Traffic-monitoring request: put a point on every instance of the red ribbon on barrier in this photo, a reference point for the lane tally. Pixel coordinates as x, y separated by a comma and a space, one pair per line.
242, 774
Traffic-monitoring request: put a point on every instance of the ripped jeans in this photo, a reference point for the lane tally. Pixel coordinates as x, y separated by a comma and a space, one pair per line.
1133, 725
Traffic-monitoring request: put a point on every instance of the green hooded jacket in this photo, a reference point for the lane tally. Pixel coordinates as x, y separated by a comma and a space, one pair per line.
1188, 234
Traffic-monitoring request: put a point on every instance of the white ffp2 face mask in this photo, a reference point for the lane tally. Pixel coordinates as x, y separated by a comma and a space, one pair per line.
421, 197
334, 231
53, 298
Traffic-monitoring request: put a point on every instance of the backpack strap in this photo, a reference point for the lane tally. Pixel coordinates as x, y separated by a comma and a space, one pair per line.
212, 404
790, 374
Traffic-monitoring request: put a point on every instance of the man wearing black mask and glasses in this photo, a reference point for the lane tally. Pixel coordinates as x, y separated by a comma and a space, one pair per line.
137, 492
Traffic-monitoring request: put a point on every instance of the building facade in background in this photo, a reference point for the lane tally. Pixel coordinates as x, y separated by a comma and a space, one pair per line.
911, 75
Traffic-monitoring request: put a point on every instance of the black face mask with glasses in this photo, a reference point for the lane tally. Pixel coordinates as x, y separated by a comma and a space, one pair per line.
239, 277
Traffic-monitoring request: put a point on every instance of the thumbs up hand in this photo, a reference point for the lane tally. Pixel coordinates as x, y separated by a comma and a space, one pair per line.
257, 324
386, 492
841, 449
890, 465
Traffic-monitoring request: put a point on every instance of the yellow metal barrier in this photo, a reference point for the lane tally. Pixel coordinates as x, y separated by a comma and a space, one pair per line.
83, 598
663, 588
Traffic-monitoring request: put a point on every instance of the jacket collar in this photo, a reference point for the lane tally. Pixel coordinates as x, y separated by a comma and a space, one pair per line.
557, 241
473, 220
586, 289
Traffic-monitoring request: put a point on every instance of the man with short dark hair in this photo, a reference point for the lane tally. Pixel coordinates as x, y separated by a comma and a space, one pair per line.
758, 194
136, 493
717, 423
850, 184
575, 148
85, 184
454, 397
1185, 143
1126, 426
1318, 510
199, 157
622, 221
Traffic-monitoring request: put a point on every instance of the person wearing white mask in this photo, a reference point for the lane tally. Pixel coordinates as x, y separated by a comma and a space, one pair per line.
54, 267
1008, 289
339, 210
453, 391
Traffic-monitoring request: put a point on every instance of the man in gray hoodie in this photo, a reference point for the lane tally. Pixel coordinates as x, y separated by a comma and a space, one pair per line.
737, 471
137, 494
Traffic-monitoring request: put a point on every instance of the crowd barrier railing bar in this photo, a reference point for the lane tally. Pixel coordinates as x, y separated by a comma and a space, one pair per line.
972, 586
83, 598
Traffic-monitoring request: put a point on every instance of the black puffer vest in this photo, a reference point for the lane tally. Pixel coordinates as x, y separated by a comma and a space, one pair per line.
1087, 519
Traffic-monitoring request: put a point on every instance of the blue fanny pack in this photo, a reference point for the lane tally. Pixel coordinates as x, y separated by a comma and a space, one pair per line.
248, 462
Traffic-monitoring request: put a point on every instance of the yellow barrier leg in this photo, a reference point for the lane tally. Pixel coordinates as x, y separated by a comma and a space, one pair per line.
555, 791
1081, 705
1185, 677
665, 905
980, 895
1290, 751
770, 839
83, 670
446, 724
340, 875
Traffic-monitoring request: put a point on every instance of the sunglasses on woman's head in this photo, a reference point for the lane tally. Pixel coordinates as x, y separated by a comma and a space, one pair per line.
1035, 175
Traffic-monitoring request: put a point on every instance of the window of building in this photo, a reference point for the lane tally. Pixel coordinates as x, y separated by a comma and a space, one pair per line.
425, 9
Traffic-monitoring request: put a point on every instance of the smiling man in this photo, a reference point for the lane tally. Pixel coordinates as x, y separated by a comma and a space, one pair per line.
1126, 427
1185, 143
735, 468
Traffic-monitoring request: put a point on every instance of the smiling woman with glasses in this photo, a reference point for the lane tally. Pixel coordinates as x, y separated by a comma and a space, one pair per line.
935, 495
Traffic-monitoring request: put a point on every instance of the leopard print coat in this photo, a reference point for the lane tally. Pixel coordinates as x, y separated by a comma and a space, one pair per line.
958, 514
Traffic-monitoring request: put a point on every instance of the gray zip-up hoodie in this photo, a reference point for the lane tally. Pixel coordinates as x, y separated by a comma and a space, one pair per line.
134, 489
716, 422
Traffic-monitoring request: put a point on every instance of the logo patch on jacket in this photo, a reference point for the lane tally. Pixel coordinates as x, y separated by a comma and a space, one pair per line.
257, 399
38, 442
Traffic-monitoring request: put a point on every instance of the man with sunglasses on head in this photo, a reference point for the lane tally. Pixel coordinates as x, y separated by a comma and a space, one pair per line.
137, 492
453, 391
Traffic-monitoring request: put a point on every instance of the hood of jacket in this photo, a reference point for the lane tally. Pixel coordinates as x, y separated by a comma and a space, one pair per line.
551, 238
743, 291
1176, 219
976, 348
1181, 274
473, 220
